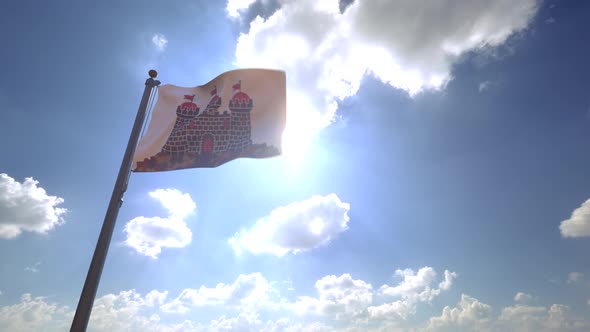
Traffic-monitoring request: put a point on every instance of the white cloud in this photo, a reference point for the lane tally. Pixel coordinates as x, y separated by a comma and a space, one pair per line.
338, 297
33, 314
148, 235
523, 298
27, 207
159, 41
295, 228
469, 313
353, 300
575, 277
415, 287
578, 224
250, 304
234, 7
179, 205
484, 85
127, 311
472, 315
248, 291
410, 45
33, 268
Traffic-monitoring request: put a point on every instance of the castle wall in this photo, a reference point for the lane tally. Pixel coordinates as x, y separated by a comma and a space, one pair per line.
209, 125
229, 131
240, 130
177, 141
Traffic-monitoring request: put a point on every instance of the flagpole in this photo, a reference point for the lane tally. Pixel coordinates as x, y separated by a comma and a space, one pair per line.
80, 322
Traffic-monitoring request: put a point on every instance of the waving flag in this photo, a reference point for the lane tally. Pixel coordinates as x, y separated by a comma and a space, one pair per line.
239, 114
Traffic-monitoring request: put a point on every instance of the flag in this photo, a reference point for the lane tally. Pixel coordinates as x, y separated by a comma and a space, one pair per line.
239, 114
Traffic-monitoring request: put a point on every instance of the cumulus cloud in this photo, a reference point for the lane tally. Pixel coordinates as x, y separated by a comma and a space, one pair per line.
127, 311
33, 268
410, 45
246, 292
234, 7
33, 314
578, 225
249, 303
523, 298
472, 315
484, 85
160, 41
575, 277
338, 297
27, 207
346, 299
295, 228
469, 313
148, 235
415, 287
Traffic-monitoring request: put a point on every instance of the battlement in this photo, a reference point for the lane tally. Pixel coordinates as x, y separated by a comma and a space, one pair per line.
187, 113
241, 106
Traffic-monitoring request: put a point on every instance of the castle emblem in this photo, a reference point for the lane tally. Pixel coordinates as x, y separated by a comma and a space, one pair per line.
209, 137
210, 131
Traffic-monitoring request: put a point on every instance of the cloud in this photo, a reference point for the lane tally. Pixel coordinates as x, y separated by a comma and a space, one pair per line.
337, 296
407, 44
295, 228
234, 7
33, 268
485, 85
415, 287
574, 277
523, 298
160, 41
343, 304
472, 315
469, 312
353, 300
550, 20
33, 314
127, 311
27, 207
148, 235
246, 292
578, 224
179, 205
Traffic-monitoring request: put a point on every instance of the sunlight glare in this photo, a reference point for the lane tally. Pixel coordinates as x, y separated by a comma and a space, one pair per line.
303, 123
316, 226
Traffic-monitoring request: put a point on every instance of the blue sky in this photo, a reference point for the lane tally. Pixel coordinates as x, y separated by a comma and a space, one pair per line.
442, 146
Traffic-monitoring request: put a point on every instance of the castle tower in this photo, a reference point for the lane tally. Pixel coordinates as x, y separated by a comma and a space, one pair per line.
240, 106
214, 102
210, 133
177, 143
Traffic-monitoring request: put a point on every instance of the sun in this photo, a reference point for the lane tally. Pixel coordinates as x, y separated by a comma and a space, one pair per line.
303, 124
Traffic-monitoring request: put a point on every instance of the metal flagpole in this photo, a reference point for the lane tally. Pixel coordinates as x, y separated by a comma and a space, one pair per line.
86, 301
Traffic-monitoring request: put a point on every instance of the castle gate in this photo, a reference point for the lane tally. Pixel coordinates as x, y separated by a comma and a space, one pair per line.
207, 144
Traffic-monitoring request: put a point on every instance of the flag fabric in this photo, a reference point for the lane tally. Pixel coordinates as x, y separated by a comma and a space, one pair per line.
239, 114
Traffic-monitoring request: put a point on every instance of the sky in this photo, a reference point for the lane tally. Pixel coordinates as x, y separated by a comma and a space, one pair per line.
434, 175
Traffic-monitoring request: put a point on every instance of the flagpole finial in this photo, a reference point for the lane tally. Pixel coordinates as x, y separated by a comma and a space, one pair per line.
153, 73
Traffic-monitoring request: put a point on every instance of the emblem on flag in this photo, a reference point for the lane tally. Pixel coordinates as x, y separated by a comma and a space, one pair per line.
232, 124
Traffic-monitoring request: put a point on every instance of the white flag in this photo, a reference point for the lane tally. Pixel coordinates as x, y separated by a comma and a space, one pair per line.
240, 113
